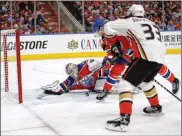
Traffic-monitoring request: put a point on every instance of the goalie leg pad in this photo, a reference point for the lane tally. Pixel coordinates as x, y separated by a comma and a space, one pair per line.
99, 85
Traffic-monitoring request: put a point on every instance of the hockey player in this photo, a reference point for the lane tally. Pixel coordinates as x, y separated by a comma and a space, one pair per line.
146, 43
95, 72
142, 35
86, 75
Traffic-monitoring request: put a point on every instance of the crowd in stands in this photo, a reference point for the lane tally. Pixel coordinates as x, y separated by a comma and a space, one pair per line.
96, 12
23, 17
172, 15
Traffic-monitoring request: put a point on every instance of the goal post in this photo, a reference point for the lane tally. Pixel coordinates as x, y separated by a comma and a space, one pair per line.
11, 77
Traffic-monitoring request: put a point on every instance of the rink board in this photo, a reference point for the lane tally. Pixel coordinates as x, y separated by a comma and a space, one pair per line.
38, 47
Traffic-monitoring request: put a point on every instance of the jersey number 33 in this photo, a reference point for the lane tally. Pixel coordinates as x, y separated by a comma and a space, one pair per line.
153, 31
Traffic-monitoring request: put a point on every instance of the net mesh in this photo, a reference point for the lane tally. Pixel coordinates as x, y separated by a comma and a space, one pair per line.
9, 76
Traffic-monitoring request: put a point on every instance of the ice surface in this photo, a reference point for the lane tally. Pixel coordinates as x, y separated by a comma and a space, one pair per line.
77, 114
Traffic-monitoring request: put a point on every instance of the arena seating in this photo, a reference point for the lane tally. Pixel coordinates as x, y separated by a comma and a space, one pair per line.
23, 17
47, 17
112, 10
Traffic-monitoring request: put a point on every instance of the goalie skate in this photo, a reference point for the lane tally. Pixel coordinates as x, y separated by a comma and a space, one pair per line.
120, 124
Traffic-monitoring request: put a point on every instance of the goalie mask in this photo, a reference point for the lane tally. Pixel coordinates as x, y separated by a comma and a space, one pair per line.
72, 69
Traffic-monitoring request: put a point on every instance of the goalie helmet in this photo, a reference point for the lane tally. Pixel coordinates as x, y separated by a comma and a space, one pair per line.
72, 69
136, 10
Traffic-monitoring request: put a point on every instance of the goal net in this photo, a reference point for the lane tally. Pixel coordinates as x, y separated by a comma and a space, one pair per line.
11, 83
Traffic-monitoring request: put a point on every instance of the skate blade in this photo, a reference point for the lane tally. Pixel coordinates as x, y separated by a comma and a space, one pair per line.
100, 101
155, 114
116, 129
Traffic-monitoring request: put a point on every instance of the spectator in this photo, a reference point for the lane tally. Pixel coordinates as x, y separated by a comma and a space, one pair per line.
113, 10
95, 12
170, 26
31, 6
178, 27
26, 30
22, 16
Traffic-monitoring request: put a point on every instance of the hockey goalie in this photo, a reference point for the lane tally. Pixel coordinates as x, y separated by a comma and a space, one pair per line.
88, 75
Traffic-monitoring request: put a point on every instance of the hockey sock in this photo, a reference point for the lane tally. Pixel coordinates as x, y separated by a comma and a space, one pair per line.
110, 81
112, 78
152, 96
125, 102
166, 73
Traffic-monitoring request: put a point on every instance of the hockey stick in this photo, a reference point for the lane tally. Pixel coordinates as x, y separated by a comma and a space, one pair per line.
167, 90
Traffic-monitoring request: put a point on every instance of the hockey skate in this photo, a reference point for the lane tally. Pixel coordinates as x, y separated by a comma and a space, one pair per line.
120, 124
153, 110
175, 86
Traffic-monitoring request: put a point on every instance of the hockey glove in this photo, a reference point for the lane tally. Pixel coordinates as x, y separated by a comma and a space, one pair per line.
102, 95
109, 60
57, 89
117, 50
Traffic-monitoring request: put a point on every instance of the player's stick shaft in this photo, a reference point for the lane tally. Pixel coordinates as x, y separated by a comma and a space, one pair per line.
167, 90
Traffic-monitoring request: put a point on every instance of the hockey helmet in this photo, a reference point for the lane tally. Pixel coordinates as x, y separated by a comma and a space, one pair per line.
101, 27
136, 10
71, 69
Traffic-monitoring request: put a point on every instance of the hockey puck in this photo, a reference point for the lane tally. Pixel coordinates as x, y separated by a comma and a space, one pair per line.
87, 94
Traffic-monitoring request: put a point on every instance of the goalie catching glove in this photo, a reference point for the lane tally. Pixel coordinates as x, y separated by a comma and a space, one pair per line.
55, 88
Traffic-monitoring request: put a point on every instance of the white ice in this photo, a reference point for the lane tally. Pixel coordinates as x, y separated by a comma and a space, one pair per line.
77, 114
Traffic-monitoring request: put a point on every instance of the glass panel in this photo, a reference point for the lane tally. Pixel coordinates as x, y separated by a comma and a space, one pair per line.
23, 14
51, 16
172, 15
